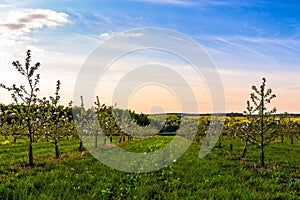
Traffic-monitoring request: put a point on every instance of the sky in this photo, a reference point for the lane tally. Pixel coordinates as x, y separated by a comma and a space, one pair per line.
246, 40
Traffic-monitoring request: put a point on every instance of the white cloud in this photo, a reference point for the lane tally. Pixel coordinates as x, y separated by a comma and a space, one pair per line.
16, 27
107, 35
26, 19
17, 30
17, 24
5, 6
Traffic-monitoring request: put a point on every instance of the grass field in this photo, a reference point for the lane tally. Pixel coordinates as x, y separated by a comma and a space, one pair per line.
220, 175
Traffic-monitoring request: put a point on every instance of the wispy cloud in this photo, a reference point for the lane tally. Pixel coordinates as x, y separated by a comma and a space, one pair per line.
107, 35
5, 6
204, 3
263, 53
171, 2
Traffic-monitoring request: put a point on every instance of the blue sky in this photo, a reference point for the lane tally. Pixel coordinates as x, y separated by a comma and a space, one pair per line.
246, 39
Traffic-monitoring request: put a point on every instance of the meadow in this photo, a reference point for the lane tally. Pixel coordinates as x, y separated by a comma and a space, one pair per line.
220, 175
42, 153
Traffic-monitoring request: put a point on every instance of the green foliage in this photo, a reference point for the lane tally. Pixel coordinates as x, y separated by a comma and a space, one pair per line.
217, 176
12, 121
289, 128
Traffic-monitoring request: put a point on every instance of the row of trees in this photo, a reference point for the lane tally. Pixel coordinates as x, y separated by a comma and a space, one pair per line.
38, 118
35, 118
259, 126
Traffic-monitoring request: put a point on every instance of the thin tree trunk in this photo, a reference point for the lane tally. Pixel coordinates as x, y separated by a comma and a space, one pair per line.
231, 146
245, 150
30, 151
96, 140
80, 145
57, 154
262, 156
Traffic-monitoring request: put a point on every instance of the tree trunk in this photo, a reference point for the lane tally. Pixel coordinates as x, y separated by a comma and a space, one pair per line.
80, 145
15, 139
262, 155
292, 139
262, 158
110, 138
57, 154
231, 146
30, 151
244, 151
282, 139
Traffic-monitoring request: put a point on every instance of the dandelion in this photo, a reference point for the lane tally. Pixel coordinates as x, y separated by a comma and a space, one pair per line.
5, 142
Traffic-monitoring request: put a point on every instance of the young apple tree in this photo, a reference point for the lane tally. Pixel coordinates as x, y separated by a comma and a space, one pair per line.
264, 121
28, 97
57, 122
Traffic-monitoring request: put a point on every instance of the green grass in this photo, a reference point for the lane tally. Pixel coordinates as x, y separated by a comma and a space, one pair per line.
220, 175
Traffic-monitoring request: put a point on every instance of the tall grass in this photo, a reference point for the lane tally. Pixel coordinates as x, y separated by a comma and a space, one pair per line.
220, 175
